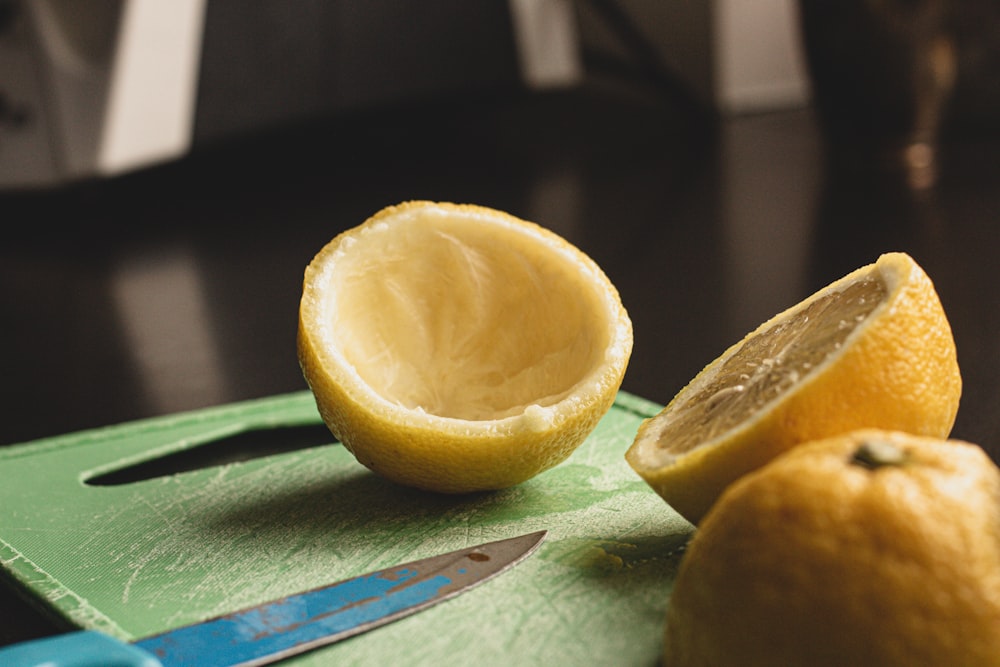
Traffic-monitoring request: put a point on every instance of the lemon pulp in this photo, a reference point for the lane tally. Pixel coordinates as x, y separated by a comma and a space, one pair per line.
767, 366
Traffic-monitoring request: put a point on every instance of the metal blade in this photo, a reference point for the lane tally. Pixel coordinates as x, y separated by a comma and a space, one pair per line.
280, 629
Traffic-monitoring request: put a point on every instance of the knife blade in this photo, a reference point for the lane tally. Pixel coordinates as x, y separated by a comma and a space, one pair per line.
279, 629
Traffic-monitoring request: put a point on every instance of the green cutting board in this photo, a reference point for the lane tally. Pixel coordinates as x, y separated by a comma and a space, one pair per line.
134, 559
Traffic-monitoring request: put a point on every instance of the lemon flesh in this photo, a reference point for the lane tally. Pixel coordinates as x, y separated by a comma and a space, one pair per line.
457, 348
873, 349
768, 366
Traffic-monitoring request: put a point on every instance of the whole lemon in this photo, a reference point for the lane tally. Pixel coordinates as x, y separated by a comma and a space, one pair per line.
871, 548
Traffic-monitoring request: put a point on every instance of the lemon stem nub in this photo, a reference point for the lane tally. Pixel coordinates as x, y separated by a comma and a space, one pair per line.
874, 454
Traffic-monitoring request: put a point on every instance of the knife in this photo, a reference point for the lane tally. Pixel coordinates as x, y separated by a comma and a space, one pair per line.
289, 626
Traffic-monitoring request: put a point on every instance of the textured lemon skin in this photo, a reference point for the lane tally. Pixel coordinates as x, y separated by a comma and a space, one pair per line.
898, 372
451, 455
812, 560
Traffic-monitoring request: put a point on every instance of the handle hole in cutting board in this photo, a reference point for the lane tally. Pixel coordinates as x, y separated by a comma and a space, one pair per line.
237, 448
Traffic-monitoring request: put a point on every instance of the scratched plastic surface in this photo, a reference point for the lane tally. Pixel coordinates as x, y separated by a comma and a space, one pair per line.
136, 559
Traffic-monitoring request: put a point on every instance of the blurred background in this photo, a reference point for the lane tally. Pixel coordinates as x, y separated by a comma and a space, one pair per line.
168, 169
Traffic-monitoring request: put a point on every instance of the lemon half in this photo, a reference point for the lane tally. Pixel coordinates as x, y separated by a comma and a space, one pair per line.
873, 349
457, 348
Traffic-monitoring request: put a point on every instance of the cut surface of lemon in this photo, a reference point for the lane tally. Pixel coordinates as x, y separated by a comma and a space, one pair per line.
872, 548
873, 349
457, 348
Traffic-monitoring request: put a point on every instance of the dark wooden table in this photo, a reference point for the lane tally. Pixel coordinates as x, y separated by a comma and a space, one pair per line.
177, 288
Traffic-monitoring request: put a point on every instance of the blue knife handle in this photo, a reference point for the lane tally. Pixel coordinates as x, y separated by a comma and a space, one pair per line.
84, 648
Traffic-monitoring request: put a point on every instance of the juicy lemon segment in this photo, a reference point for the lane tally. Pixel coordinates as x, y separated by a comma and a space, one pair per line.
768, 365
873, 349
458, 348
872, 548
